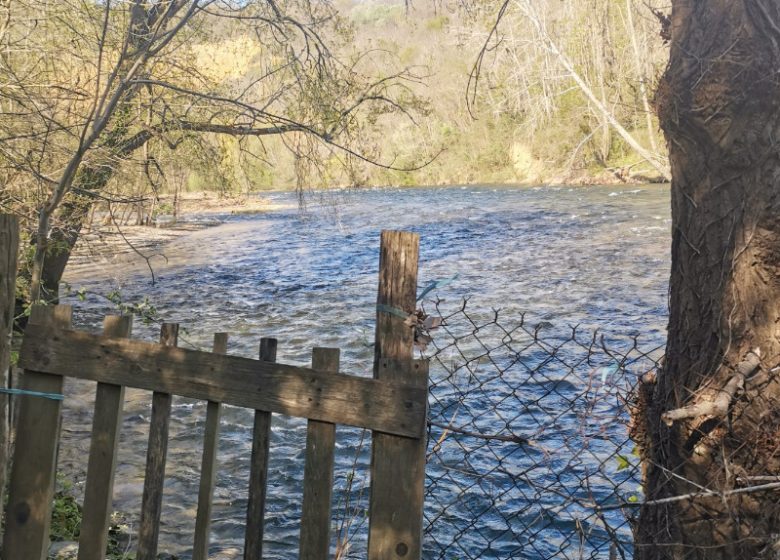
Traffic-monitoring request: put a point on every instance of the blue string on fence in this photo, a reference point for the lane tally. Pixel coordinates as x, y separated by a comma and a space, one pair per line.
23, 392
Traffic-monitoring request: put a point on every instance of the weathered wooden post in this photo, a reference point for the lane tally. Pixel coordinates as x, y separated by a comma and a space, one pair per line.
396, 510
156, 454
31, 489
9, 248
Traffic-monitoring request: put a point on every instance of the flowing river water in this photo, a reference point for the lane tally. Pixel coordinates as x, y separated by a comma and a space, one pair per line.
593, 256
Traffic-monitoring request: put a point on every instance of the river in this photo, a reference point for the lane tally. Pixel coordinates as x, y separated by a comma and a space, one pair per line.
597, 257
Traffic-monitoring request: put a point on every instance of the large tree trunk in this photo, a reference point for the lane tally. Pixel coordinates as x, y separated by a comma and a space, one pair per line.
719, 106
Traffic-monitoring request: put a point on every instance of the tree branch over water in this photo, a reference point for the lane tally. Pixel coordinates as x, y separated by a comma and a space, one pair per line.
132, 76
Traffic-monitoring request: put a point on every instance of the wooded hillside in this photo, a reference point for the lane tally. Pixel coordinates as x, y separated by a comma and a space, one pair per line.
556, 81
111, 104
561, 92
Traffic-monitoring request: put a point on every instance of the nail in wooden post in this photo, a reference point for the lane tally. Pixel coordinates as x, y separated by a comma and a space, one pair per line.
258, 471
151, 504
106, 425
9, 249
208, 469
318, 473
397, 463
31, 490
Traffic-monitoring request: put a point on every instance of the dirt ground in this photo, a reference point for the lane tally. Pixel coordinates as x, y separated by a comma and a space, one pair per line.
106, 243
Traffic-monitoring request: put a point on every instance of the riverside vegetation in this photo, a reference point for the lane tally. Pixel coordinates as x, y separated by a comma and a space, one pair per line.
113, 111
110, 106
107, 108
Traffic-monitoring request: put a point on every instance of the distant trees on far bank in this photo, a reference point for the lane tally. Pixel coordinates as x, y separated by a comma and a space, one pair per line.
559, 91
111, 104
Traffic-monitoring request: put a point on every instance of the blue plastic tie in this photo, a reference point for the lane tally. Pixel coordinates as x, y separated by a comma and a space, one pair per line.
23, 392
435, 285
382, 308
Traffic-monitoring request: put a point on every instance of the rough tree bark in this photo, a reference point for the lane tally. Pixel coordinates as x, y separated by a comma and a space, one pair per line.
719, 107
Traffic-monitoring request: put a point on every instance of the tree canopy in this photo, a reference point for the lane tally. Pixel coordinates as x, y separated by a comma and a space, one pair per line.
93, 91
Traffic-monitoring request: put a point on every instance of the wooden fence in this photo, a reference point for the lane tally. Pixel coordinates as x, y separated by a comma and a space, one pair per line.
392, 404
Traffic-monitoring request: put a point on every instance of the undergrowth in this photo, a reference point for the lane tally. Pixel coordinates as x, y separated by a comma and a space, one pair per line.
66, 523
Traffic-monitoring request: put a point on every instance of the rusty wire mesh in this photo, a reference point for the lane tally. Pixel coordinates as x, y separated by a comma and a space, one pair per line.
529, 453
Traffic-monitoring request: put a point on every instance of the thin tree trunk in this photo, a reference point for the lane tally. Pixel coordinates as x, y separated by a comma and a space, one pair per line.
39, 257
639, 68
54, 245
586, 89
599, 62
718, 107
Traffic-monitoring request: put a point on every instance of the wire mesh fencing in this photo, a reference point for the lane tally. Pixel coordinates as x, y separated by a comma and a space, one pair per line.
529, 452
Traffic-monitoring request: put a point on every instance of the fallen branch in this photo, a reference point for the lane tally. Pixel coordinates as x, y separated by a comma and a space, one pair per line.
717, 404
694, 495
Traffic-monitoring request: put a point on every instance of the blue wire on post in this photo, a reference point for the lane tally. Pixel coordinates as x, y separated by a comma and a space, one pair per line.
382, 308
22, 392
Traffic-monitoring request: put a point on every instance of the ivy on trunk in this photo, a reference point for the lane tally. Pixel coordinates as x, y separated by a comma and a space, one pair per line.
719, 107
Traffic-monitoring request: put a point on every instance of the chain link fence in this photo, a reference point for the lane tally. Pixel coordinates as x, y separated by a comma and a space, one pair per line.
529, 453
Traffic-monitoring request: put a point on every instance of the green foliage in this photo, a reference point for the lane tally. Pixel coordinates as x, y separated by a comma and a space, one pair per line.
408, 54
66, 513
67, 289
119, 538
144, 309
163, 209
437, 23
623, 463
377, 15
66, 520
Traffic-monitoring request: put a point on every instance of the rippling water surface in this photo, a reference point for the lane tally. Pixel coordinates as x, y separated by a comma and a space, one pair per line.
594, 256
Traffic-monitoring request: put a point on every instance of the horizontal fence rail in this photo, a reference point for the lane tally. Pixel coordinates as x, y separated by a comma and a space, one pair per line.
384, 406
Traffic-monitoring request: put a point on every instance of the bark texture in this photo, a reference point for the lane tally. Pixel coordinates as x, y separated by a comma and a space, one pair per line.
719, 106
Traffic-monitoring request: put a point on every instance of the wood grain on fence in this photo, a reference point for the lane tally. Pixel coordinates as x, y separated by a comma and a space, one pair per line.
156, 454
258, 468
318, 473
106, 424
380, 405
31, 489
208, 469
396, 510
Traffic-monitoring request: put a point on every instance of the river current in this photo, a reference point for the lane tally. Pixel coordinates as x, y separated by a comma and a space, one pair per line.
597, 257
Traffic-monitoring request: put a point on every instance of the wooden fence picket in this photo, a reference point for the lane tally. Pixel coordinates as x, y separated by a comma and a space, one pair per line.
106, 424
157, 452
258, 470
318, 473
208, 469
